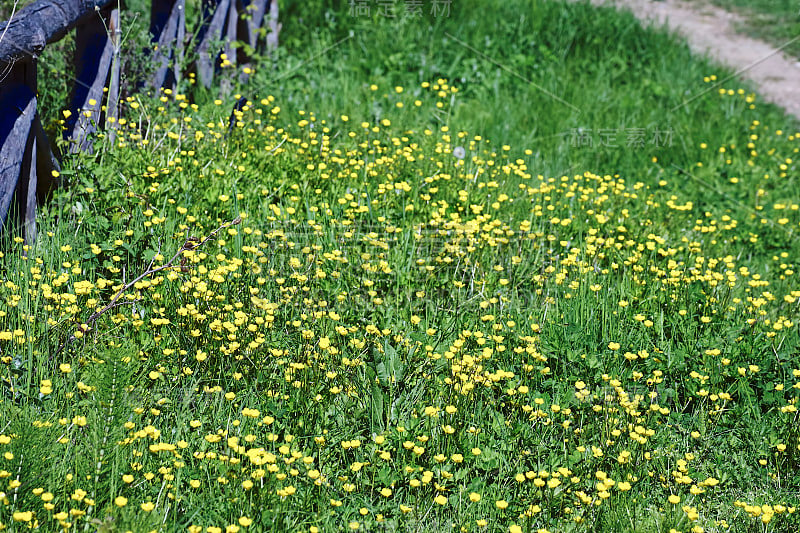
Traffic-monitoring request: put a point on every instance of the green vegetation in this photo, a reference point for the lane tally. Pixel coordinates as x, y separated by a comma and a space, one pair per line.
395, 293
12, 7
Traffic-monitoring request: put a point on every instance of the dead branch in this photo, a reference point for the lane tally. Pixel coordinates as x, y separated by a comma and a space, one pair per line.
189, 244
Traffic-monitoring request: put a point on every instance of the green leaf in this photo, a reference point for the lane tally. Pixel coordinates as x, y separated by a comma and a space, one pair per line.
378, 401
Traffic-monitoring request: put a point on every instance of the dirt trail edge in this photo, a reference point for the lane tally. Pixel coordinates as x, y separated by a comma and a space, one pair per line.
711, 30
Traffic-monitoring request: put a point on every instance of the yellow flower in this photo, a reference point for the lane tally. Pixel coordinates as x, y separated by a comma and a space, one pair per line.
501, 504
148, 506
440, 499
674, 499
120, 501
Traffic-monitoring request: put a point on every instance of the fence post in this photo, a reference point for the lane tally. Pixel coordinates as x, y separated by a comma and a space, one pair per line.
215, 21
25, 168
254, 11
168, 30
252, 18
232, 20
18, 101
274, 25
112, 103
94, 67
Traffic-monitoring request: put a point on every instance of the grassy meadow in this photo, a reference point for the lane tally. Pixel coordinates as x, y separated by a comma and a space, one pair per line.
521, 267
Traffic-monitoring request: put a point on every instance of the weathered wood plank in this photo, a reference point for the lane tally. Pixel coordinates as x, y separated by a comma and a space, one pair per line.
26, 159
273, 25
253, 12
228, 38
94, 52
215, 17
168, 31
230, 21
42, 22
112, 100
16, 122
251, 17
27, 185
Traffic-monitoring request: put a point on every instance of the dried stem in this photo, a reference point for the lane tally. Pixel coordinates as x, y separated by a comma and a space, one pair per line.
189, 244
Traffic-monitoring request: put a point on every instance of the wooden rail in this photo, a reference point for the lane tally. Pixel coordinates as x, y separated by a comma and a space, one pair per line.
28, 162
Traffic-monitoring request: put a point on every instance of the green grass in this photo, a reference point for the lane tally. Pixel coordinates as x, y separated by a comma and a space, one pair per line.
440, 315
608, 67
776, 21
12, 7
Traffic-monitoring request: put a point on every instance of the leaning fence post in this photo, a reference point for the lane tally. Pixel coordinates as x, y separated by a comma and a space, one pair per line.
18, 157
274, 26
252, 22
232, 20
112, 101
252, 17
215, 18
168, 31
94, 67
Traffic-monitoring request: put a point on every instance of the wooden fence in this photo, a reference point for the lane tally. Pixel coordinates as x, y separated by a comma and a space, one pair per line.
28, 161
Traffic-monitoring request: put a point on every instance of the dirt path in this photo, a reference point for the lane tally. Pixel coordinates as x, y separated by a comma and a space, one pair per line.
711, 29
